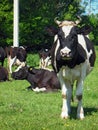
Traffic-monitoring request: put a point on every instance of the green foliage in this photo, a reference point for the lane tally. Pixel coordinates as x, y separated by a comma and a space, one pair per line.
33, 60
6, 22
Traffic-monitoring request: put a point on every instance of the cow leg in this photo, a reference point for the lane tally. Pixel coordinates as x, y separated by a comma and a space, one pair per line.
80, 111
10, 63
66, 96
21, 65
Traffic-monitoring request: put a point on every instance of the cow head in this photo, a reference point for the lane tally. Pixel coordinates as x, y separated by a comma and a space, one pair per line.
68, 43
67, 37
44, 53
21, 74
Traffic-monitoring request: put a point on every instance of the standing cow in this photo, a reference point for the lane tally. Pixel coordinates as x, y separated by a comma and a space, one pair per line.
73, 58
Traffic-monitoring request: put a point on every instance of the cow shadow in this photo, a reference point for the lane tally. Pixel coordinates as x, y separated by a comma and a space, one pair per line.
87, 112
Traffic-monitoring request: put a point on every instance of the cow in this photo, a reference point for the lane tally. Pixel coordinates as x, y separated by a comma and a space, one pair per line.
45, 58
2, 55
16, 56
40, 79
73, 57
3, 74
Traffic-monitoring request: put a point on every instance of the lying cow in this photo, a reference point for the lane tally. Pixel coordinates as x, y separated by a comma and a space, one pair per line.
2, 55
73, 58
16, 56
3, 74
40, 79
45, 58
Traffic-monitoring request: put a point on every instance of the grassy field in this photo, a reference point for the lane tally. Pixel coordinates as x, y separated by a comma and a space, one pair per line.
21, 109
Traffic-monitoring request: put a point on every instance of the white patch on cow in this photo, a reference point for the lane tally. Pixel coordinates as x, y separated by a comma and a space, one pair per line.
56, 49
82, 42
66, 30
39, 89
15, 61
22, 47
65, 50
22, 64
11, 62
55, 38
45, 62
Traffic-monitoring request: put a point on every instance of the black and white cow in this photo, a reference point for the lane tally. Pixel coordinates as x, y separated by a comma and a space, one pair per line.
16, 56
45, 58
2, 55
40, 79
3, 74
73, 58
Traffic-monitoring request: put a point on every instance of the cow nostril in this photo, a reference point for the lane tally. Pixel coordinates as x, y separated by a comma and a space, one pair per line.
62, 53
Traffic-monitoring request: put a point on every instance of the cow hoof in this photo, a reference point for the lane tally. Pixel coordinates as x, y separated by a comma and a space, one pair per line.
81, 117
64, 115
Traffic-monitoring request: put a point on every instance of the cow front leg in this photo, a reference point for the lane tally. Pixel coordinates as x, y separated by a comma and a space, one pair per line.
64, 113
10, 63
66, 96
80, 111
21, 65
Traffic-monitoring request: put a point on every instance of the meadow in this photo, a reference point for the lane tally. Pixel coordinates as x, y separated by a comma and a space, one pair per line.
22, 109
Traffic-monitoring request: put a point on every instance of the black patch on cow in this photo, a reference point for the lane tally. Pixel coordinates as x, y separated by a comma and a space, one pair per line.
2, 55
21, 54
3, 74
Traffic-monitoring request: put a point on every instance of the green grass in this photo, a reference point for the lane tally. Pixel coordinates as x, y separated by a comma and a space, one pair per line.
21, 109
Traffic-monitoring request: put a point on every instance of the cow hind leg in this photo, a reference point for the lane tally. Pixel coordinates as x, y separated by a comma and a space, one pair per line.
66, 96
80, 111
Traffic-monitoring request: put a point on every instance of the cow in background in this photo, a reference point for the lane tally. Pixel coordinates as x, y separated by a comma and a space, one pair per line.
40, 79
73, 57
45, 58
2, 55
16, 56
3, 74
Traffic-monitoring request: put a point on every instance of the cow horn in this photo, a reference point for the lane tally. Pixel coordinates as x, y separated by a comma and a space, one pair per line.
78, 21
57, 21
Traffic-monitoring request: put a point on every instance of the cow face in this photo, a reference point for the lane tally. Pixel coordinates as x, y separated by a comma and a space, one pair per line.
21, 74
68, 43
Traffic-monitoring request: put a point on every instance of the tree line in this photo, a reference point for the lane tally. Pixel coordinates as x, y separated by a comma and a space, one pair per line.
35, 15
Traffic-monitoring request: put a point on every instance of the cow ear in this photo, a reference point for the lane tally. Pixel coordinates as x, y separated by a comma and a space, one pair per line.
85, 30
51, 30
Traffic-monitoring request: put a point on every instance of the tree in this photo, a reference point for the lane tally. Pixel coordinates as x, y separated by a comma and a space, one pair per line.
36, 15
6, 22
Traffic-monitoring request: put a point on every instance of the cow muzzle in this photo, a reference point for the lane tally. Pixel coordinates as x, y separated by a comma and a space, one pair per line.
66, 54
